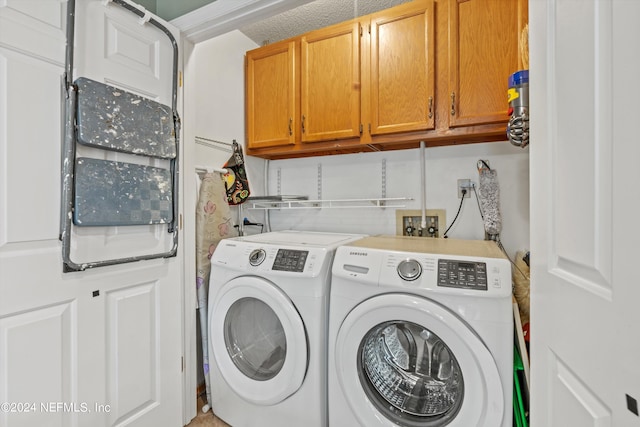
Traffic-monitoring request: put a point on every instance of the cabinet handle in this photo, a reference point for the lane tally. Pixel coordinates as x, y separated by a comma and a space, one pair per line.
290, 126
430, 106
453, 103
303, 123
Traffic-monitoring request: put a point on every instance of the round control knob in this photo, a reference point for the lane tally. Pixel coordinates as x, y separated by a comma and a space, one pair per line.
409, 269
257, 256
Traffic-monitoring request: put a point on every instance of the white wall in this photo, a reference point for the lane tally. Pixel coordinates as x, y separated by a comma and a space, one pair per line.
213, 108
218, 109
360, 176
218, 90
215, 87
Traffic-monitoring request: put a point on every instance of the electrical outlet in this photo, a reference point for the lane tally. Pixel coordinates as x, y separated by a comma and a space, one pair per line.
409, 223
464, 184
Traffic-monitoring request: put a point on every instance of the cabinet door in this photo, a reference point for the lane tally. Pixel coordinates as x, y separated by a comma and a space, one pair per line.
271, 90
402, 70
330, 76
483, 52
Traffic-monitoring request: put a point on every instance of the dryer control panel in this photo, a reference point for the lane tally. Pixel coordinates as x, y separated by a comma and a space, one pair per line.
290, 260
274, 260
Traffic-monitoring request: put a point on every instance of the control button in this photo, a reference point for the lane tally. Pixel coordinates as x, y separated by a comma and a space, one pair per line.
257, 256
409, 269
496, 282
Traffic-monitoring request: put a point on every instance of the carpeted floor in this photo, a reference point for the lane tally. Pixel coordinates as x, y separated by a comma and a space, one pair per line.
206, 420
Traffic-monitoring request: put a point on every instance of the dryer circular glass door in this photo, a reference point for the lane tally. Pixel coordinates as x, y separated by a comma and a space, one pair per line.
404, 360
259, 340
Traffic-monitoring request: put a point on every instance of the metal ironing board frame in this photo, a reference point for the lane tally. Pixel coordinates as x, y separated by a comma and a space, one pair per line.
69, 102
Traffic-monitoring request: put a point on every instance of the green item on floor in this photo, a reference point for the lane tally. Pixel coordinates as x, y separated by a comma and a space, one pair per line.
519, 410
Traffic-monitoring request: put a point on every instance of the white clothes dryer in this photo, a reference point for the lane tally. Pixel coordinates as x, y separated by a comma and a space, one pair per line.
268, 320
420, 334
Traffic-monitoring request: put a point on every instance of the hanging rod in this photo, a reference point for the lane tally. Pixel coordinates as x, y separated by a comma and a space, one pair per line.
210, 169
293, 203
226, 146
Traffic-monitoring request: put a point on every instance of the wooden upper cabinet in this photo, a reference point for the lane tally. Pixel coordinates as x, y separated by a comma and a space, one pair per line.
426, 70
483, 52
271, 95
330, 83
402, 69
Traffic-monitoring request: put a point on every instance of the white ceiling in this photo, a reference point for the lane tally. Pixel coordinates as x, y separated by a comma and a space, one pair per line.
311, 16
272, 20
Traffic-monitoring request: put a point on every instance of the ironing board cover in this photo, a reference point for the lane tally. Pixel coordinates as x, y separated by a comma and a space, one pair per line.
213, 223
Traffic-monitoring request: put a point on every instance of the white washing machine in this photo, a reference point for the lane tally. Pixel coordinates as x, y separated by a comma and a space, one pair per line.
268, 320
420, 334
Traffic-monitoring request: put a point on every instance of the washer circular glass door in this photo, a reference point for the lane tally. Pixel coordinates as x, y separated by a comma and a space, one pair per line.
404, 360
258, 340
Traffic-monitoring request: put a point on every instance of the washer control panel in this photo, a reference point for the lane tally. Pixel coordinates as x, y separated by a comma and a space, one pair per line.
462, 274
290, 260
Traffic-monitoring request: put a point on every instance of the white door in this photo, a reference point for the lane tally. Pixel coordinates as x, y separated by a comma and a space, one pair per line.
100, 347
258, 340
585, 344
391, 348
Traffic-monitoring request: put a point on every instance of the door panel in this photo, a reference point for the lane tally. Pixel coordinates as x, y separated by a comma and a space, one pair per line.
584, 317
479, 71
132, 346
580, 406
272, 94
35, 28
129, 53
30, 184
125, 47
585, 150
330, 83
403, 69
107, 337
46, 337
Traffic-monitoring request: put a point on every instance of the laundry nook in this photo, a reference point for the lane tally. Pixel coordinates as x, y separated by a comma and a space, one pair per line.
318, 213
